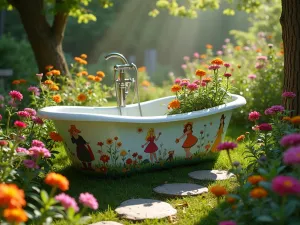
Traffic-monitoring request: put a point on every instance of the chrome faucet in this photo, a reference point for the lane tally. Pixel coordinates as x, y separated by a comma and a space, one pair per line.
122, 84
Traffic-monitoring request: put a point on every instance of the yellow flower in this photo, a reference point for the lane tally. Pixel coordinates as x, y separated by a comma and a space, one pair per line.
123, 153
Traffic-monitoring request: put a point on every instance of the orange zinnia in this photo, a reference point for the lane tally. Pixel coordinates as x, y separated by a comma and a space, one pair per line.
207, 79
237, 48
142, 69
56, 98
258, 192
286, 118
91, 77
240, 138
49, 73
16, 82
145, 83
11, 196
48, 82
175, 104
79, 74
203, 56
230, 200
55, 136
84, 62
295, 120
81, 97
255, 179
15, 215
218, 190
57, 180
208, 46
54, 87
200, 73
83, 56
49, 67
55, 72
100, 74
77, 59
84, 73
217, 61
22, 81
175, 88
97, 79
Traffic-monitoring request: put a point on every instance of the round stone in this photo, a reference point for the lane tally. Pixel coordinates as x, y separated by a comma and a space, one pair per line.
106, 223
180, 189
211, 175
140, 209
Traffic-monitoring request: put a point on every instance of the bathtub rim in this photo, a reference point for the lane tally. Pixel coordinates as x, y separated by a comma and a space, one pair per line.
52, 113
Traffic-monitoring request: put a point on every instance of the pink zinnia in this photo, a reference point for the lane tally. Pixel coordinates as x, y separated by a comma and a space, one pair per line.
252, 76
1, 98
227, 146
37, 120
227, 65
177, 81
253, 116
28, 163
37, 143
290, 140
227, 75
0, 117
269, 111
3, 143
192, 87
31, 111
196, 55
39, 76
22, 150
214, 67
183, 66
265, 127
184, 83
186, 58
20, 124
277, 108
228, 222
203, 84
259, 66
197, 82
288, 94
284, 185
67, 201
23, 114
262, 58
88, 200
219, 52
292, 156
16, 95
39, 151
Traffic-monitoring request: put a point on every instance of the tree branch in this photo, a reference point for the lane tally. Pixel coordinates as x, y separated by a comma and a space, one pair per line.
59, 22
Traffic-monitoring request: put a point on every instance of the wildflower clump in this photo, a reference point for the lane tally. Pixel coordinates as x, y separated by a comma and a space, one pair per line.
209, 89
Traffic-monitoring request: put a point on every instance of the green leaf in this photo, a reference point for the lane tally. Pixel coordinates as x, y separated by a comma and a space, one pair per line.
264, 218
44, 196
229, 12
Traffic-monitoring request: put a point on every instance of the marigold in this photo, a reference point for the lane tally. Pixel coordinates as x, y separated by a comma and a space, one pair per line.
200, 73
145, 83
16, 82
100, 74
83, 56
175, 88
286, 118
97, 79
217, 61
79, 74
295, 120
240, 138
258, 192
49, 67
57, 180
207, 79
11, 196
81, 97
48, 82
230, 200
55, 72
55, 136
56, 98
54, 87
84, 73
208, 46
49, 74
84, 62
77, 59
255, 179
91, 77
15, 215
218, 190
175, 104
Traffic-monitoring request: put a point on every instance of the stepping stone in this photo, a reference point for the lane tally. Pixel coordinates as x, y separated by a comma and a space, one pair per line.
106, 223
211, 175
180, 189
140, 209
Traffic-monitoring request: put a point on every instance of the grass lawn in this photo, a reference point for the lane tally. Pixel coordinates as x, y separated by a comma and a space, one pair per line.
111, 192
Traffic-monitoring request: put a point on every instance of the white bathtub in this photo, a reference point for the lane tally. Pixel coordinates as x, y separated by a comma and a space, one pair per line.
98, 139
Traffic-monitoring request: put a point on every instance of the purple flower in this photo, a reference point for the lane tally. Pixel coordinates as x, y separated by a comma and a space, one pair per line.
265, 127
284, 185
288, 94
67, 201
290, 140
277, 108
28, 163
226, 146
88, 200
269, 111
292, 156
228, 222
0, 117
37, 143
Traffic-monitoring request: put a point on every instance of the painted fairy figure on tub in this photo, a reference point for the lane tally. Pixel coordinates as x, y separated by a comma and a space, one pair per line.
190, 140
219, 134
83, 149
151, 146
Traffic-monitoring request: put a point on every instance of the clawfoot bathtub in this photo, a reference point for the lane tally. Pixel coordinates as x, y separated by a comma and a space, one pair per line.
99, 140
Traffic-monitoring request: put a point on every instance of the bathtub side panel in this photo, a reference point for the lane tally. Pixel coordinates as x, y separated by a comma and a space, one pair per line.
112, 147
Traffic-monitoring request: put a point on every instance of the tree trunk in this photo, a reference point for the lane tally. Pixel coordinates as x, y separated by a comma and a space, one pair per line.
290, 22
45, 40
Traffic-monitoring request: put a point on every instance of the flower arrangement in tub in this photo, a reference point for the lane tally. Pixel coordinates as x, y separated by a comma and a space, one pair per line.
207, 91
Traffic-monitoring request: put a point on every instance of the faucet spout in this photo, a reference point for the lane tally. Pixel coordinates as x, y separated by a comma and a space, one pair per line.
116, 55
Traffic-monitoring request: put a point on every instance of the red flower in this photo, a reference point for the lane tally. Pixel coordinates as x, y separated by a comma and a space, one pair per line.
265, 127
134, 154
140, 157
3, 143
100, 143
103, 169
16, 95
20, 124
105, 158
129, 161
